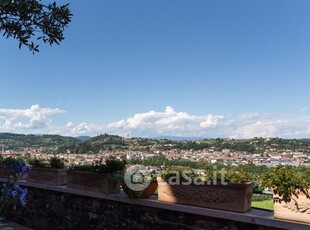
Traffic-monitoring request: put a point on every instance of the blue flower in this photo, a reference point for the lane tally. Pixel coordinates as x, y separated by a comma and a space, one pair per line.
25, 170
16, 187
13, 193
22, 196
10, 190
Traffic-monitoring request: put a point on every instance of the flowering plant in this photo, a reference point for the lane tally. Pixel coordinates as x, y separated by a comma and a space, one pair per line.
10, 190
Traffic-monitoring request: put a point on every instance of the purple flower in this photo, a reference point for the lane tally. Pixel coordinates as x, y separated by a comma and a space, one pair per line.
16, 187
22, 196
13, 193
25, 170
10, 190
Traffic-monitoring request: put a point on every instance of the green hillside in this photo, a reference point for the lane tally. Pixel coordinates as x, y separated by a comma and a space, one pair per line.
106, 142
15, 141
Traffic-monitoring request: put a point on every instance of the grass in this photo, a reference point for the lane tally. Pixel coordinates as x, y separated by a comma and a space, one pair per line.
265, 204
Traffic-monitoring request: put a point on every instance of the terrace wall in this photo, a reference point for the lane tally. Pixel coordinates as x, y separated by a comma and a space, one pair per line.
57, 207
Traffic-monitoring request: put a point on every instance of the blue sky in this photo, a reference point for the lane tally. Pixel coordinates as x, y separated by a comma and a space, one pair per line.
151, 68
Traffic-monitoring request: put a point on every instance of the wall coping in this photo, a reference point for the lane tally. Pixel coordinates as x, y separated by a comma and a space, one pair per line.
254, 216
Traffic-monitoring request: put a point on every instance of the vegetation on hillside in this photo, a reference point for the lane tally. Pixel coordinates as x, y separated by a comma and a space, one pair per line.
16, 141
107, 142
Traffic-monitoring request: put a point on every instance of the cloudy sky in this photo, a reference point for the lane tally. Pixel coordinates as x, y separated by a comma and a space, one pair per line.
167, 122
165, 68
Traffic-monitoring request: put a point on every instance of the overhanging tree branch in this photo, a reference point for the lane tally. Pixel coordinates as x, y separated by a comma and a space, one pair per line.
29, 21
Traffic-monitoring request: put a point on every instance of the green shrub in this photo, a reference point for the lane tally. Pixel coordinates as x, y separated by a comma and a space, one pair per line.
35, 162
178, 172
56, 163
231, 174
286, 181
112, 166
261, 197
9, 161
109, 166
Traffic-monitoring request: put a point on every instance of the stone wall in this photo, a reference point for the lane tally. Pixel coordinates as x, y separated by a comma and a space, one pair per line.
48, 209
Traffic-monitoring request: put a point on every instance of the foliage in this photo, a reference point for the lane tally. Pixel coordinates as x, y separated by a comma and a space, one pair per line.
15, 141
56, 163
153, 176
109, 166
34, 162
105, 142
161, 160
187, 163
84, 167
286, 181
101, 142
261, 197
14, 166
252, 168
158, 160
237, 175
26, 20
8, 161
192, 145
178, 172
10, 191
211, 175
229, 174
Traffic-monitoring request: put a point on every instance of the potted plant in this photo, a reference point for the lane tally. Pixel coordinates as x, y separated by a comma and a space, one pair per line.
143, 186
51, 173
291, 192
229, 190
101, 176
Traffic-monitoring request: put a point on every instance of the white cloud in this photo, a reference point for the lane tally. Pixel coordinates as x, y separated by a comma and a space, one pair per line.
270, 125
211, 121
152, 123
35, 118
35, 112
258, 129
168, 122
163, 123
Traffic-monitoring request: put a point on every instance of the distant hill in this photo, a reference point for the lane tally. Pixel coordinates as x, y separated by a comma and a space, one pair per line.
14, 141
175, 138
99, 143
106, 142
83, 138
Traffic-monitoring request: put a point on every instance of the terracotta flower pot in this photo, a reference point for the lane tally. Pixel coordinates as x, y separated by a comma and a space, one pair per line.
146, 193
93, 181
231, 197
49, 176
298, 209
